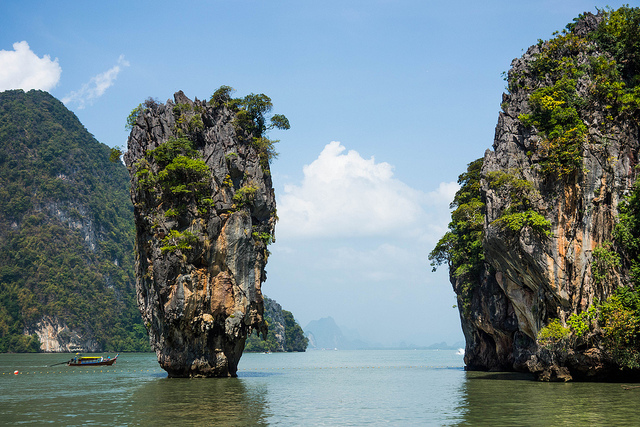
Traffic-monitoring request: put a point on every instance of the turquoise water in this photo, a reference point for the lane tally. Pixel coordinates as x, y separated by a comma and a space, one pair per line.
333, 388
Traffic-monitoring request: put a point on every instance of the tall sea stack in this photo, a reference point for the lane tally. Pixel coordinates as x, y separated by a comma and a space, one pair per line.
544, 242
205, 212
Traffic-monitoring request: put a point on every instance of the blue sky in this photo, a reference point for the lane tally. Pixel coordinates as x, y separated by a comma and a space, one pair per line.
388, 101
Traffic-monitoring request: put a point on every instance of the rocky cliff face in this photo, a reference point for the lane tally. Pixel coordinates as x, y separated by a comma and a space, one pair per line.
564, 158
56, 337
205, 211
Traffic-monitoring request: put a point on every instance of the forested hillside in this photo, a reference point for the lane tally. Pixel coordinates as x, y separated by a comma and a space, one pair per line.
66, 234
285, 334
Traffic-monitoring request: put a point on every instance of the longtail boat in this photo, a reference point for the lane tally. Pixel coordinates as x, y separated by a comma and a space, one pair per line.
80, 360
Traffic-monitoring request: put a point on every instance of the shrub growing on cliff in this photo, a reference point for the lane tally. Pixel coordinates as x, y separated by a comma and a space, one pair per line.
149, 103
221, 96
620, 320
461, 246
520, 212
531, 219
132, 118
251, 118
618, 331
619, 34
555, 106
571, 74
627, 232
605, 260
178, 241
181, 174
580, 323
244, 196
553, 333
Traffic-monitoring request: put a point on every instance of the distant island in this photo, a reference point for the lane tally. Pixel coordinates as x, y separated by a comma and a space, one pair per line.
325, 334
285, 334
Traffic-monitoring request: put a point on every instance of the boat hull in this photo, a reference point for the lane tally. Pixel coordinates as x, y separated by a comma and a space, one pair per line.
93, 361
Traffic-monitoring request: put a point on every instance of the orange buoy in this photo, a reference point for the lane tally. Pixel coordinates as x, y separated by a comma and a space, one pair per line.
15, 372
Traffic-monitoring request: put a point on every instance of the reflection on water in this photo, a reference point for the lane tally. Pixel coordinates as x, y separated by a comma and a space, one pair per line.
517, 399
398, 388
199, 401
135, 391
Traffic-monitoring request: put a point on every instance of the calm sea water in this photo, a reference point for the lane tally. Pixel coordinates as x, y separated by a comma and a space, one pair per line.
332, 388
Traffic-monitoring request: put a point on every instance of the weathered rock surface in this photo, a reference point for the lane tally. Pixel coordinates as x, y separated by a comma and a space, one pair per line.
200, 255
56, 337
532, 278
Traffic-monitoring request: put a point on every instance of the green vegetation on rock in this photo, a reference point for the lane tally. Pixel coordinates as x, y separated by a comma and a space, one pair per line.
461, 246
520, 212
627, 233
615, 322
293, 340
66, 229
177, 175
251, 120
605, 261
573, 75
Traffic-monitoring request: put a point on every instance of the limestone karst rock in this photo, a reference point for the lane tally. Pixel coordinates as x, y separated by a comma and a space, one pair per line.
548, 196
204, 211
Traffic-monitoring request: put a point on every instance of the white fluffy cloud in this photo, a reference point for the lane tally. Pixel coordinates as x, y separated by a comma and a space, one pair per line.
345, 195
97, 86
20, 68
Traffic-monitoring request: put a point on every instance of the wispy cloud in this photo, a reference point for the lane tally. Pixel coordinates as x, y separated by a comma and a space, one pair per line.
97, 86
345, 195
20, 68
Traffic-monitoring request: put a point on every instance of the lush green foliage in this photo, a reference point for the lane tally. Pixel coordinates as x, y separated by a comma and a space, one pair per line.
251, 120
265, 238
177, 240
558, 110
293, 333
256, 343
66, 228
605, 260
520, 212
132, 118
555, 106
244, 195
176, 173
619, 35
461, 246
553, 333
615, 322
627, 232
518, 220
620, 320
580, 323
294, 339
